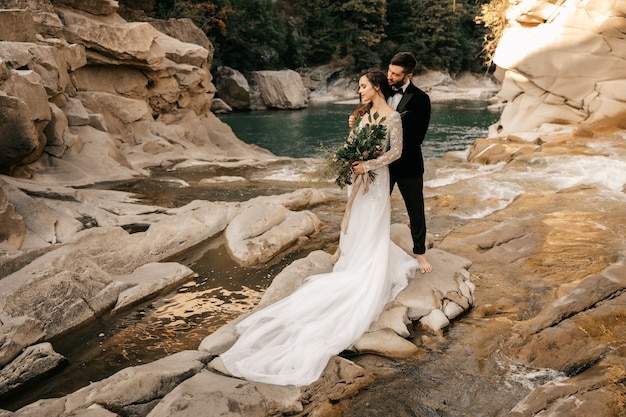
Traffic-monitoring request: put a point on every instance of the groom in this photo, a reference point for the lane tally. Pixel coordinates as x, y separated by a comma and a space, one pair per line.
414, 106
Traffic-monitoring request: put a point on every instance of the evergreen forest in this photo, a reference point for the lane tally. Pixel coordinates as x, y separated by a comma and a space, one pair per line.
249, 35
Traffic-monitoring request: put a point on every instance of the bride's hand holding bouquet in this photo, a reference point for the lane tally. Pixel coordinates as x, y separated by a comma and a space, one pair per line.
365, 142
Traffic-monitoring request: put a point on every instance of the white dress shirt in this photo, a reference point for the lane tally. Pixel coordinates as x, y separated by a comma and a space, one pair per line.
394, 100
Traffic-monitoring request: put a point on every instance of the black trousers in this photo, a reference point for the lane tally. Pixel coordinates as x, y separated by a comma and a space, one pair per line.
412, 190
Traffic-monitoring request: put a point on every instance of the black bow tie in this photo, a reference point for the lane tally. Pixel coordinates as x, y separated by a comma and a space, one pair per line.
397, 90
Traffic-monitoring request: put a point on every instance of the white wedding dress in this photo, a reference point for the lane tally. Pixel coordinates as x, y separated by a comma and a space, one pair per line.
291, 341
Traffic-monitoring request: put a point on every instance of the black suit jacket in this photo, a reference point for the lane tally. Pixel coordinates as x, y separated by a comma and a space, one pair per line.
415, 111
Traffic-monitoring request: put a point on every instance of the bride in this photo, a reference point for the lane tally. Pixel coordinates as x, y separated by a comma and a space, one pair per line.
291, 341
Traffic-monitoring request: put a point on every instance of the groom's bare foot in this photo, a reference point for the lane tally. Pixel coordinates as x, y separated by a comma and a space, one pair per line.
425, 266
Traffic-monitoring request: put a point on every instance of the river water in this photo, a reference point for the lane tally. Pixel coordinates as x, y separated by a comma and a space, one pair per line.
223, 290
297, 134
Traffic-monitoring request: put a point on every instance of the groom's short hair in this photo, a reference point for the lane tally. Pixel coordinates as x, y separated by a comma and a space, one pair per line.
406, 60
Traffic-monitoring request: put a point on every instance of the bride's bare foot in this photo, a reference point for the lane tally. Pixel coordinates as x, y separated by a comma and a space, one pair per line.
425, 266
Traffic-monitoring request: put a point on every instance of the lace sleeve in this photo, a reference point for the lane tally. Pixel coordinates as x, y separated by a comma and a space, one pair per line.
394, 133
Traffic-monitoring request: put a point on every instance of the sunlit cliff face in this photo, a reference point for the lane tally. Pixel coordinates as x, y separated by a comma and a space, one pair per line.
562, 61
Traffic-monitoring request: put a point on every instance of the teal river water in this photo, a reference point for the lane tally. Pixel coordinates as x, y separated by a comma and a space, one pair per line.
453, 127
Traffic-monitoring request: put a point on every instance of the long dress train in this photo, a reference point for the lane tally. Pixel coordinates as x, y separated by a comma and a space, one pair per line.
291, 341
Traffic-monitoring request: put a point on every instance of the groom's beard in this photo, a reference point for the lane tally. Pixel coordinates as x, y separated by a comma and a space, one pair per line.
397, 85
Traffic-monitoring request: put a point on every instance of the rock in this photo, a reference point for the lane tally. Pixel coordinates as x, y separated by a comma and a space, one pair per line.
387, 335
53, 407
223, 179
227, 397
442, 87
11, 19
196, 88
52, 63
546, 269
12, 225
44, 17
150, 279
125, 81
21, 137
16, 334
98, 122
589, 292
96, 7
75, 113
70, 303
292, 276
182, 52
257, 234
386, 342
186, 31
35, 360
106, 93
435, 321
452, 310
546, 54
73, 297
394, 317
115, 108
114, 43
287, 281
41, 220
232, 87
90, 101
222, 339
281, 89
427, 292
146, 98
595, 392
219, 106
570, 333
136, 390
95, 410
55, 130
340, 380
297, 200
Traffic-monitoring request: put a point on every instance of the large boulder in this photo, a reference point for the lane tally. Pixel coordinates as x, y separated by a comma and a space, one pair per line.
281, 89
232, 87
33, 362
258, 233
561, 63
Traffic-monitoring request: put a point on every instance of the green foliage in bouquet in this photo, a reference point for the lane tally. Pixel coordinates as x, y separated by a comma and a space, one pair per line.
363, 143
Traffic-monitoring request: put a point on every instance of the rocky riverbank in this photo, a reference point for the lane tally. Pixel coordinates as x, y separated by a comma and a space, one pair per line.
546, 247
90, 97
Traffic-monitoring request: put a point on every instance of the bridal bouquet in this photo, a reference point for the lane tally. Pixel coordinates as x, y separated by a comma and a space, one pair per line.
363, 143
